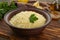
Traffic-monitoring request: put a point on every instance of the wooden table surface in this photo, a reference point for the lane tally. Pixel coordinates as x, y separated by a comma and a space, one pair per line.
51, 32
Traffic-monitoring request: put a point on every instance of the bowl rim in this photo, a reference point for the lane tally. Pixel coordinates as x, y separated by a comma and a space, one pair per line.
8, 13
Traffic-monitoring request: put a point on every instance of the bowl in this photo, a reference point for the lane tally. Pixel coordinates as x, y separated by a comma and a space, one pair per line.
27, 32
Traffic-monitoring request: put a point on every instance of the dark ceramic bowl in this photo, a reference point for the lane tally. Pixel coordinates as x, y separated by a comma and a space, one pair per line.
23, 31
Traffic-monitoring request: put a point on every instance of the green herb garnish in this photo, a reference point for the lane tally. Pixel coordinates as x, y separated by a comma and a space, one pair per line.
33, 18
4, 8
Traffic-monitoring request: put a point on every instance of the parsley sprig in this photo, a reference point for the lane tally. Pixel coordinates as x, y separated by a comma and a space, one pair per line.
4, 8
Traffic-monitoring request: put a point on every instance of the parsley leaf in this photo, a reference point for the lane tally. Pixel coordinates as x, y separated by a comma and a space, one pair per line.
33, 18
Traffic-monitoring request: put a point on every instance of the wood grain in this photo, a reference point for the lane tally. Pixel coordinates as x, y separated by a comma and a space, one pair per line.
51, 32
